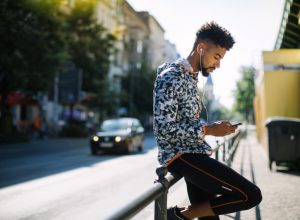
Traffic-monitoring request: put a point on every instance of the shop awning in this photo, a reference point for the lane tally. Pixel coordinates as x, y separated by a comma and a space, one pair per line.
289, 32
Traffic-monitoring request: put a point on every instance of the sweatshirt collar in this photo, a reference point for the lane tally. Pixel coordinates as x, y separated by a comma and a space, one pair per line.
184, 63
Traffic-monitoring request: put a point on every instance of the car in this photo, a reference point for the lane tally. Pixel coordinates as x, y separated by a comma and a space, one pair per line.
119, 135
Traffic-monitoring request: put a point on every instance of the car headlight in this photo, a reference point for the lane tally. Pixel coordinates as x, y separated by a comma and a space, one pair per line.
95, 138
118, 139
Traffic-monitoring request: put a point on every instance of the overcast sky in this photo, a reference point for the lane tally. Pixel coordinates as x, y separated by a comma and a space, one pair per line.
253, 23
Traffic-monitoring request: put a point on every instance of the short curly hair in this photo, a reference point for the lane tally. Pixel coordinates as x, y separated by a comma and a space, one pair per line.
218, 35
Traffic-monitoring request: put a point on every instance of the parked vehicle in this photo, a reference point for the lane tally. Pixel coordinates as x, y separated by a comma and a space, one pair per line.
122, 135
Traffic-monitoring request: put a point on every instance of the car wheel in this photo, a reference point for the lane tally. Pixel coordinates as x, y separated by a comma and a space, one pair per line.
129, 149
140, 148
93, 150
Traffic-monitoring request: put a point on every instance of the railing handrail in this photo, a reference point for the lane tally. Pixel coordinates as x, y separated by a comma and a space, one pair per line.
144, 199
236, 139
158, 192
220, 144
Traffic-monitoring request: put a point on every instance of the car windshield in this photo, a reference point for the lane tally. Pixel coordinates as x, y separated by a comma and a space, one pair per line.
115, 124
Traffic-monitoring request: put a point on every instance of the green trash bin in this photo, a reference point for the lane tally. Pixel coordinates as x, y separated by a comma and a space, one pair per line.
284, 140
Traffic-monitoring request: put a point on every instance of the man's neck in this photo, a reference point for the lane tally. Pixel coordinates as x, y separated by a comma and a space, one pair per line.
193, 60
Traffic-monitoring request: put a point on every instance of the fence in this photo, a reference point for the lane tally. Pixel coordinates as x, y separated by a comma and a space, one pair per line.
159, 191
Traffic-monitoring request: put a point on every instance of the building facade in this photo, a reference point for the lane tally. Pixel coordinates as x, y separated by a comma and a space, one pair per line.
156, 49
278, 85
170, 52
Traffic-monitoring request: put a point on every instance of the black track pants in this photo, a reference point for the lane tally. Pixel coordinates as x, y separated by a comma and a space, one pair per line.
197, 196
226, 189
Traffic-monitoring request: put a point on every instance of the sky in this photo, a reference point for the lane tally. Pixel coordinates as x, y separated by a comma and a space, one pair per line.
253, 23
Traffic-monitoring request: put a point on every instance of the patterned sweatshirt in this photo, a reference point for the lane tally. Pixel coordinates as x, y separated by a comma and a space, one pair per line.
176, 111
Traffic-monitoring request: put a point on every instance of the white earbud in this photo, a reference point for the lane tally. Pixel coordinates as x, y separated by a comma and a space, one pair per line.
200, 58
200, 51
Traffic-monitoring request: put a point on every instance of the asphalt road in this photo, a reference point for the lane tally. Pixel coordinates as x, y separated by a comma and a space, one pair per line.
60, 179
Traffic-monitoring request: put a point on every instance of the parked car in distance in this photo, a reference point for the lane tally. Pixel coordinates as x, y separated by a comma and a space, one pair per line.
119, 135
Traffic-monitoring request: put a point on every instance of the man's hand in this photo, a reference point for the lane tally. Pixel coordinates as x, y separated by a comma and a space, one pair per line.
220, 128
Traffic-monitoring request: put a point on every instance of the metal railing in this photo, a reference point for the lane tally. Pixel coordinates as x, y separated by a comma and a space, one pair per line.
158, 193
228, 147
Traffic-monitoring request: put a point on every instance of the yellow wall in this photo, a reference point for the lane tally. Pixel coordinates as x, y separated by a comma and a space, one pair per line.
260, 112
284, 56
282, 93
278, 90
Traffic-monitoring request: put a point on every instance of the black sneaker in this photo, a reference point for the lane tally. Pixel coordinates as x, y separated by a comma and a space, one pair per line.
174, 214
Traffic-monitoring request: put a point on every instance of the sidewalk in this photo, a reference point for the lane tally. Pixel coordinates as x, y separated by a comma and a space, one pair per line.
280, 189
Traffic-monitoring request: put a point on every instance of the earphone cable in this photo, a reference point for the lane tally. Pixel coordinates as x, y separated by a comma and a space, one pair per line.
203, 87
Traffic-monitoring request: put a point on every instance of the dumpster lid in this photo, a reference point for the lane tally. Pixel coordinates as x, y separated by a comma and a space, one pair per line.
282, 120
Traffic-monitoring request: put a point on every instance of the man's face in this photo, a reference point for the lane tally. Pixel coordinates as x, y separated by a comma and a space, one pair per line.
211, 58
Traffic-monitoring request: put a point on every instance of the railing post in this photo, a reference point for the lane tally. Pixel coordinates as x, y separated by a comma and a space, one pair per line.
160, 204
217, 152
224, 149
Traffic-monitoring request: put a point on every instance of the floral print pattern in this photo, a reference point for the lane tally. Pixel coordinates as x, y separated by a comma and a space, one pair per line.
176, 111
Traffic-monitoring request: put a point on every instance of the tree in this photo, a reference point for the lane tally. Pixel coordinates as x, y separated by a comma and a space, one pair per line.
38, 39
31, 50
90, 47
137, 90
245, 92
89, 44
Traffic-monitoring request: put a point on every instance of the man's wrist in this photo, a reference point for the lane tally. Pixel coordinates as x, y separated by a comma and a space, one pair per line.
204, 130
207, 129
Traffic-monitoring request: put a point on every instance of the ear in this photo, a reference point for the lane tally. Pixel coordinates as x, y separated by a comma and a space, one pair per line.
200, 47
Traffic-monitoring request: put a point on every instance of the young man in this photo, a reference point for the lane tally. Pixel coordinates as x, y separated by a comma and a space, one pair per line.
213, 188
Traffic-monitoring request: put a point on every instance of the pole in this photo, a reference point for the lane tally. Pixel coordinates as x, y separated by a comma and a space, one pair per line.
55, 100
160, 205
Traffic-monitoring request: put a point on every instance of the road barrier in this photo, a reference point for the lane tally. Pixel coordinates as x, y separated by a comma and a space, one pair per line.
159, 192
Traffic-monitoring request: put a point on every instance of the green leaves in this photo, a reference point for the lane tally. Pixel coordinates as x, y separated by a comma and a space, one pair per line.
31, 48
137, 91
89, 45
39, 37
245, 92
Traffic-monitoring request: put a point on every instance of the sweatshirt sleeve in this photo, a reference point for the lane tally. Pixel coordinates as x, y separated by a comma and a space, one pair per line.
167, 92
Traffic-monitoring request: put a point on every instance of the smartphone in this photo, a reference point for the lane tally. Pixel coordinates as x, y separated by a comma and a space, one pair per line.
237, 124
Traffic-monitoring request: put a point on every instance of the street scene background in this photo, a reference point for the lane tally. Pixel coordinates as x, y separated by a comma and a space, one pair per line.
76, 102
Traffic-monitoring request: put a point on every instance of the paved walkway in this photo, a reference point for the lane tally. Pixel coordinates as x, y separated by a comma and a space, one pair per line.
280, 188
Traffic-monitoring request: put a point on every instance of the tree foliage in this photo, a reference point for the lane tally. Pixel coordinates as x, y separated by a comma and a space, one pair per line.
244, 93
89, 45
137, 93
38, 37
31, 47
